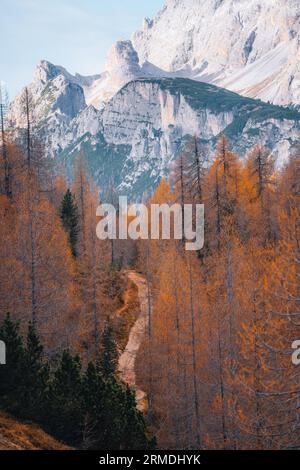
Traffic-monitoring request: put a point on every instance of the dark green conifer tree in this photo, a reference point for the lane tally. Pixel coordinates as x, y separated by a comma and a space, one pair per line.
65, 400
109, 354
11, 373
70, 218
36, 378
134, 430
94, 392
94, 410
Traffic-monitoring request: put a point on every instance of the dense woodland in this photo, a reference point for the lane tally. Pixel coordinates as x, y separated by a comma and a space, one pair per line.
59, 289
216, 360
216, 363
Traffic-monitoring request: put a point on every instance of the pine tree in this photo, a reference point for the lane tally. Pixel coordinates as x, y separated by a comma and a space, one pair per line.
24, 379
70, 219
11, 373
134, 430
94, 389
87, 411
36, 376
109, 356
66, 408
111, 420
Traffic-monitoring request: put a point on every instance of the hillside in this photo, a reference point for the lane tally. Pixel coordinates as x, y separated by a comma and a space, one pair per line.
15, 435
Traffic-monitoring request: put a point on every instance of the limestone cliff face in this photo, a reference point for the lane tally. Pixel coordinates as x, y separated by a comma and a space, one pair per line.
154, 118
154, 122
53, 92
248, 46
135, 136
159, 89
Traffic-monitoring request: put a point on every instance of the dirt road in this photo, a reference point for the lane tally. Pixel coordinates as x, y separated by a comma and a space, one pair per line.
127, 359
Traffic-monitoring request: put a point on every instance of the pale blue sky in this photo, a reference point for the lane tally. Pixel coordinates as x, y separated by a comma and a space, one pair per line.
73, 33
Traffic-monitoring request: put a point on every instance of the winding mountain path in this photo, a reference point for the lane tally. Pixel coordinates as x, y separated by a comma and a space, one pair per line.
126, 366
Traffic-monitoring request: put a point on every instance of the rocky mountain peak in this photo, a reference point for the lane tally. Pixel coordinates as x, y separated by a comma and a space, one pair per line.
159, 89
45, 71
123, 62
122, 66
247, 46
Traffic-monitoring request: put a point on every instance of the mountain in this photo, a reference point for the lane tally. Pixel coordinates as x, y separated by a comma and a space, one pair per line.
136, 135
54, 92
256, 54
248, 46
149, 121
159, 89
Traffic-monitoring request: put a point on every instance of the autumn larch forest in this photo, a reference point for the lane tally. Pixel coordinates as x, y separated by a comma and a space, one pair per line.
215, 359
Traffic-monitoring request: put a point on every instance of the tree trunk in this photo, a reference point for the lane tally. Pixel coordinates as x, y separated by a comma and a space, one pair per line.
194, 359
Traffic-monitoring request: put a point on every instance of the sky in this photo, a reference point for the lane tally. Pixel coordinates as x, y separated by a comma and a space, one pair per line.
76, 34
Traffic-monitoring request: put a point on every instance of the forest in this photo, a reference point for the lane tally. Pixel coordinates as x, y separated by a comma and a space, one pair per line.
59, 289
216, 363
216, 359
